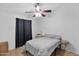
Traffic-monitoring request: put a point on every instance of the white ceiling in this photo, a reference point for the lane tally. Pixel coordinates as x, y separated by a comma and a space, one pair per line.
22, 7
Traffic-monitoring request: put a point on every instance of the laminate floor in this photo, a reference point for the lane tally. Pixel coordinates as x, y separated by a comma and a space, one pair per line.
20, 52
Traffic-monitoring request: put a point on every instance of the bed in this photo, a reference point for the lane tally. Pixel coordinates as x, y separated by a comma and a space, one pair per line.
43, 46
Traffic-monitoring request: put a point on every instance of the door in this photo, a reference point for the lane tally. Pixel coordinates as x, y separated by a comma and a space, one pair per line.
23, 31
27, 30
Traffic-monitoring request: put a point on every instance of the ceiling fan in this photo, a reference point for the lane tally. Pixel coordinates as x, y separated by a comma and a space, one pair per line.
38, 12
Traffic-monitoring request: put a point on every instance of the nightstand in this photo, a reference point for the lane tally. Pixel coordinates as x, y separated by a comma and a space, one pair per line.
64, 44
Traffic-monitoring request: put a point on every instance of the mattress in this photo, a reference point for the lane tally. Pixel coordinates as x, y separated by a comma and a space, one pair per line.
42, 46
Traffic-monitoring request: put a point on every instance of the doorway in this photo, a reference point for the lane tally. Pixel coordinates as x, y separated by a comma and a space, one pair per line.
23, 31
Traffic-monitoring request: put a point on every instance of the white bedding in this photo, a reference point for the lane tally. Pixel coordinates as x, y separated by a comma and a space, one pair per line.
42, 46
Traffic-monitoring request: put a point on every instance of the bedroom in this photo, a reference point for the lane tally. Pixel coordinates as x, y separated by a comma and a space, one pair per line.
62, 21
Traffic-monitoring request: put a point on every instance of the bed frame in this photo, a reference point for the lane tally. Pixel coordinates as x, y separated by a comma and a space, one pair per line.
59, 47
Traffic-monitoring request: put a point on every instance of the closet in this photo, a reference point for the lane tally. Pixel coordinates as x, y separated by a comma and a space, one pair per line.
23, 31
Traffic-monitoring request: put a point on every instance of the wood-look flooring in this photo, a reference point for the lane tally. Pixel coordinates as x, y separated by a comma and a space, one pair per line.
20, 52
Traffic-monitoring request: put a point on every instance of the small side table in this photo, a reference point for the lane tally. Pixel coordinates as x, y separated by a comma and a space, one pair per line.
64, 44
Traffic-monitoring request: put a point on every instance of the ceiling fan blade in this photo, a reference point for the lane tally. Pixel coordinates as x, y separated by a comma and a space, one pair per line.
29, 11
47, 11
43, 14
33, 15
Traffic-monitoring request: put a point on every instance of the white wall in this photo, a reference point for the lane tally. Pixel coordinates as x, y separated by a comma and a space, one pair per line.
70, 15
7, 26
64, 22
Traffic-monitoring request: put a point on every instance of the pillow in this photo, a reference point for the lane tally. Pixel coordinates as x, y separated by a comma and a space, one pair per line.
52, 36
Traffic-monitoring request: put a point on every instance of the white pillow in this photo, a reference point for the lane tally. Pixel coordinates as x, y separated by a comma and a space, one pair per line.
52, 36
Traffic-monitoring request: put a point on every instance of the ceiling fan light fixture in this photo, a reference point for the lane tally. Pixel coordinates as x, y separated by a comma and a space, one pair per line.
37, 8
38, 14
